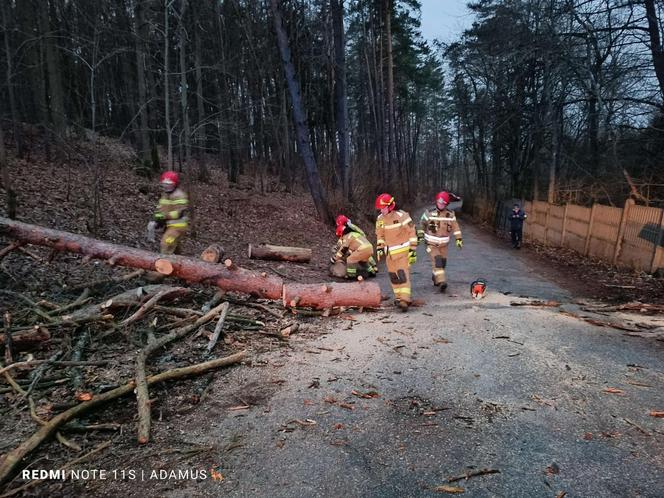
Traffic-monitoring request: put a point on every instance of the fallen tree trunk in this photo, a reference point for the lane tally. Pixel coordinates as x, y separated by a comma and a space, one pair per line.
322, 296
14, 457
186, 268
280, 253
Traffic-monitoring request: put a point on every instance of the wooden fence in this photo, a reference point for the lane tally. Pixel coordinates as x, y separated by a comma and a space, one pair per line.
631, 237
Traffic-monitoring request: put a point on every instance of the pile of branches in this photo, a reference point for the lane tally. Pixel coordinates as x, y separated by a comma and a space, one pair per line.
68, 355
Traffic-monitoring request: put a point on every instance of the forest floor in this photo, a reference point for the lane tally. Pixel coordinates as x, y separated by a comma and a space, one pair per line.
311, 394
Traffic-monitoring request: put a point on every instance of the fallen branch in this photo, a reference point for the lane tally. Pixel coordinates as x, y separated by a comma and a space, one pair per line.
126, 299
150, 303
11, 247
26, 339
600, 323
217, 329
142, 395
66, 466
473, 473
113, 280
31, 363
30, 302
14, 457
80, 301
545, 304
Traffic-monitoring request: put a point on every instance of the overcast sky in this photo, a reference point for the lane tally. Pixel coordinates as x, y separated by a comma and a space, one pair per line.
444, 19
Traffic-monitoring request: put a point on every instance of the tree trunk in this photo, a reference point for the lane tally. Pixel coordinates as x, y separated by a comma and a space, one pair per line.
6, 179
656, 46
391, 136
302, 129
184, 90
279, 253
141, 36
18, 136
167, 95
53, 65
322, 296
186, 268
340, 91
201, 136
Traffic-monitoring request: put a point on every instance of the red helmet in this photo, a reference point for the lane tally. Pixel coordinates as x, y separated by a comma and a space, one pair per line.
170, 178
341, 221
443, 197
385, 200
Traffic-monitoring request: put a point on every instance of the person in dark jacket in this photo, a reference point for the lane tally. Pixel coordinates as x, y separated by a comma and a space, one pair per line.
517, 216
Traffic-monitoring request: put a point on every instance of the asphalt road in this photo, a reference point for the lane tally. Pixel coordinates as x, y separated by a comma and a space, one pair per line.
450, 387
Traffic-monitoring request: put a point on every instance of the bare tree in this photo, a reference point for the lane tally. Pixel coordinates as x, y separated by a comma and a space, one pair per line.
301, 127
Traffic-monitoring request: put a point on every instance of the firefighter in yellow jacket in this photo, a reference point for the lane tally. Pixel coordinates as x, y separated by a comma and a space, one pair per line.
353, 250
396, 240
171, 213
437, 227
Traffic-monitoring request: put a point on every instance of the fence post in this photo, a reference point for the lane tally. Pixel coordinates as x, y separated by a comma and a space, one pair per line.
562, 235
546, 223
591, 221
621, 229
659, 236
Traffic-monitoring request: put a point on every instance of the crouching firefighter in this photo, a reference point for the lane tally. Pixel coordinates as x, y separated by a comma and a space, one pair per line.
354, 253
437, 227
171, 213
397, 243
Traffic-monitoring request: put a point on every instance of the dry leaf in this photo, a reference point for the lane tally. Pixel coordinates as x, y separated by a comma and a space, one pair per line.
84, 396
347, 406
448, 489
614, 390
588, 436
656, 414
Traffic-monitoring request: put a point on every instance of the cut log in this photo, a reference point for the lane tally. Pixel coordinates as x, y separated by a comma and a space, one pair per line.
163, 266
26, 339
189, 269
280, 253
330, 295
213, 253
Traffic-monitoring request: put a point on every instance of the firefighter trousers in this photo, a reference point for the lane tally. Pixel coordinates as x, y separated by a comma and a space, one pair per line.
360, 261
438, 256
399, 272
170, 241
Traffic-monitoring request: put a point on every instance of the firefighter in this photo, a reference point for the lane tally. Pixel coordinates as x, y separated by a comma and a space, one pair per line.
353, 250
437, 226
171, 213
396, 240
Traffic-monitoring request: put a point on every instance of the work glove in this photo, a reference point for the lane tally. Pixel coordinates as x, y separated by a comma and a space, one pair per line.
380, 253
412, 256
459, 243
149, 235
